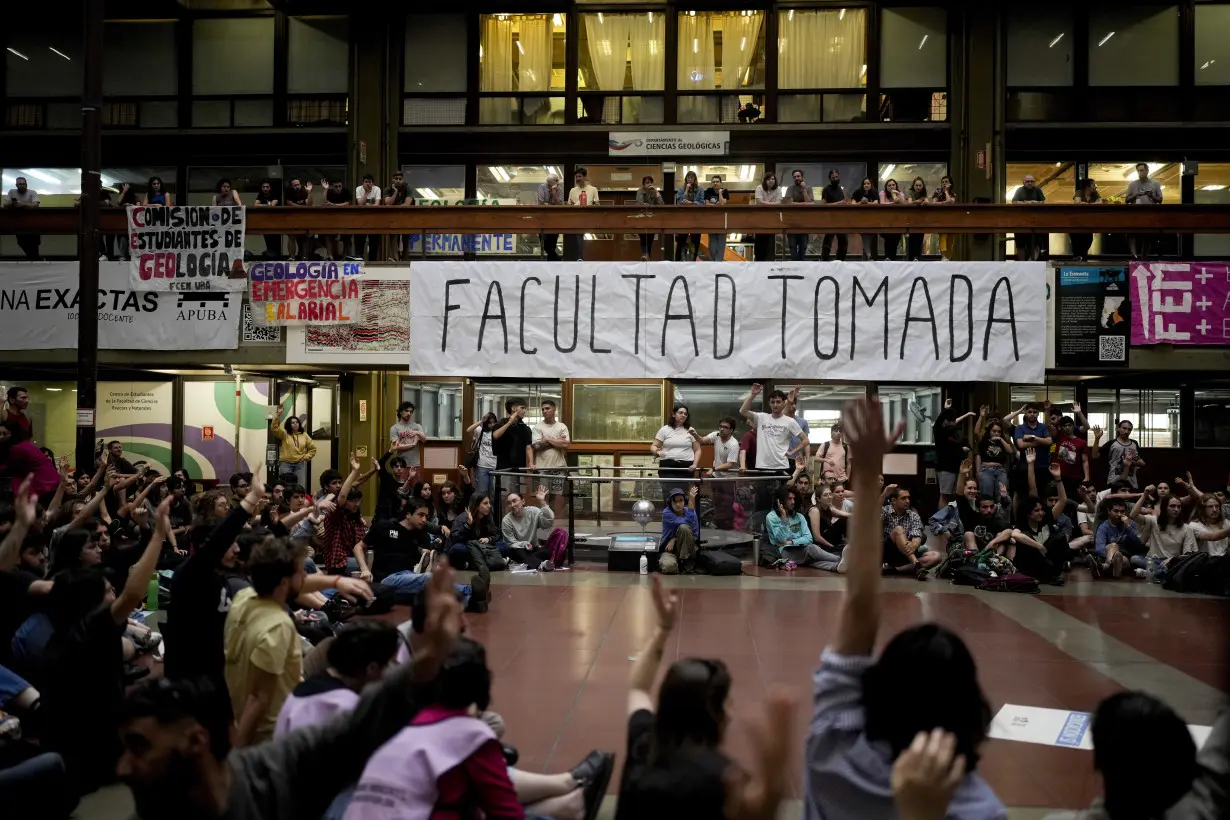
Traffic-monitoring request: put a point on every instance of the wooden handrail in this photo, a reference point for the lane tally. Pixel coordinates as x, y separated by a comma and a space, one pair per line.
530, 219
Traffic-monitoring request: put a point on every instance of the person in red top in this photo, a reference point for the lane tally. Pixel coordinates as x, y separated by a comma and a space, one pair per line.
1072, 455
20, 458
15, 409
344, 527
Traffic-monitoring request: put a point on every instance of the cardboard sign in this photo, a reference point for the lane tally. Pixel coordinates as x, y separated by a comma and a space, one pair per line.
306, 293
186, 247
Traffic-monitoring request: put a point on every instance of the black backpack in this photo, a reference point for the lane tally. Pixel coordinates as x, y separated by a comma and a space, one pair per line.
1184, 573
716, 562
970, 575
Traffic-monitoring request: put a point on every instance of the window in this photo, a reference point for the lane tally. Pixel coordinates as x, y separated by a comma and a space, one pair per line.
435, 53
822, 108
246, 181
718, 50
617, 412
816, 176
322, 421
1212, 188
133, 50
1154, 414
437, 406
822, 49
710, 402
521, 52
1212, 51
53, 413
1212, 418
490, 397
621, 52
436, 185
820, 406
1039, 46
44, 56
318, 59
515, 185
232, 56
1058, 182
918, 406
1133, 45
914, 48
1099, 409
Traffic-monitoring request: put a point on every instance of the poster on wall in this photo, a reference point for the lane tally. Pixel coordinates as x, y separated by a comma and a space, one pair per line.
39, 303
1181, 303
224, 433
456, 244
138, 415
1092, 317
306, 293
946, 321
670, 144
186, 247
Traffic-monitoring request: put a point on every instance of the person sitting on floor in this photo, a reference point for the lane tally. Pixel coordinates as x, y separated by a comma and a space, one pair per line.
475, 524
790, 533
986, 528
520, 530
1040, 540
1166, 534
1210, 527
903, 551
861, 722
827, 519
1117, 546
1129, 727
680, 534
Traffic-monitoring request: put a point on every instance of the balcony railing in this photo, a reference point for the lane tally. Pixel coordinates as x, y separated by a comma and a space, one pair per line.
525, 219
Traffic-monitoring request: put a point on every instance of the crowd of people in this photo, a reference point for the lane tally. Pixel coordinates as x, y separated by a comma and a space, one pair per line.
268, 708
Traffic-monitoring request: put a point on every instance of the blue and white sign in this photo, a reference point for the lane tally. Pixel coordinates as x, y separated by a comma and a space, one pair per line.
456, 244
1056, 727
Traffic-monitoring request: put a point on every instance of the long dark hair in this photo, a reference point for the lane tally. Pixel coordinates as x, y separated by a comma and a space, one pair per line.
447, 512
986, 433
1164, 521
66, 555
670, 420
289, 419
483, 526
691, 708
764, 181
932, 653
893, 182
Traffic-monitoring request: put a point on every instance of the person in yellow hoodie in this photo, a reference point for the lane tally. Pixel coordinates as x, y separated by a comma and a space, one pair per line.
297, 447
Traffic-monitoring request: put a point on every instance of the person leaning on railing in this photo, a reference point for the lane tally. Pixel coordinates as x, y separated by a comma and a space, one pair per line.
647, 194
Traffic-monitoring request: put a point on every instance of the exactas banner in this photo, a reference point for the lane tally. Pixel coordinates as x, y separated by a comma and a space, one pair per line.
306, 293
187, 247
1181, 303
949, 321
39, 303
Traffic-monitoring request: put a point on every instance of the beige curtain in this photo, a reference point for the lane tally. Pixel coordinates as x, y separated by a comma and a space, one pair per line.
740, 34
822, 49
648, 50
607, 36
495, 70
534, 59
696, 68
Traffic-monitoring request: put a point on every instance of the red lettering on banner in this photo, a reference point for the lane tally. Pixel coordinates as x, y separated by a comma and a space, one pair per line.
157, 266
329, 312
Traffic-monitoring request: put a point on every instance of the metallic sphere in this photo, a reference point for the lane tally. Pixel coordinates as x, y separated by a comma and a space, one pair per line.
642, 512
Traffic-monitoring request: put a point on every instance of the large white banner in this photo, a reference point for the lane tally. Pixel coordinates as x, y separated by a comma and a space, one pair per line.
39, 303
187, 247
921, 321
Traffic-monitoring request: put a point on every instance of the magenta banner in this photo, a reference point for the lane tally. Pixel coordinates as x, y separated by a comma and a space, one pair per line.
1181, 303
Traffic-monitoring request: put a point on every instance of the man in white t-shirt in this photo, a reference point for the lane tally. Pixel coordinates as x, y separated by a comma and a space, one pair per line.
550, 440
583, 195
774, 431
725, 466
367, 195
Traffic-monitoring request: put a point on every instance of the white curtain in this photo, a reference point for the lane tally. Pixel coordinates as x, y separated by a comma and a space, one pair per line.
822, 49
607, 35
648, 50
740, 37
697, 69
534, 60
495, 71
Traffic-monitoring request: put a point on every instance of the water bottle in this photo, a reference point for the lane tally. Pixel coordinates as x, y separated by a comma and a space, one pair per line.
1157, 572
583, 199
151, 594
644, 565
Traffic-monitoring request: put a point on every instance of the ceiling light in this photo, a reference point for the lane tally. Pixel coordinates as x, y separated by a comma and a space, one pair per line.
600, 18
789, 16
1213, 188
19, 54
1102, 42
887, 170
429, 194
1054, 42
30, 172
841, 15
1206, 65
61, 53
651, 16
520, 47
923, 42
54, 389
557, 20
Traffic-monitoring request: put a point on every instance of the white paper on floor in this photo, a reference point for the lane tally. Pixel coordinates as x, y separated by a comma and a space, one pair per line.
1056, 727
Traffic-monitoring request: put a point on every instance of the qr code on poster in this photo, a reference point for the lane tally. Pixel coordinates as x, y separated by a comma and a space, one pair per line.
1112, 348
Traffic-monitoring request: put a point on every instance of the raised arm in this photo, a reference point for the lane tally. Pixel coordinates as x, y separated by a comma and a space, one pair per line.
745, 409
645, 669
859, 617
25, 506
1140, 503
351, 478
138, 577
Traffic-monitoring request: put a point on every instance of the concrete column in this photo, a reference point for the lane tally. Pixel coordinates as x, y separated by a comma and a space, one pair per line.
976, 105
376, 53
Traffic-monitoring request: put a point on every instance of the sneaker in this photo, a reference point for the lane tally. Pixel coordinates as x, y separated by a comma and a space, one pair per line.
1095, 568
546, 566
1120, 565
790, 566
594, 775
424, 562
921, 573
515, 567
1141, 573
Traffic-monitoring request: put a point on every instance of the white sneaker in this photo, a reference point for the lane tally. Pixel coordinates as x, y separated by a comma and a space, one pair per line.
546, 566
1141, 573
515, 567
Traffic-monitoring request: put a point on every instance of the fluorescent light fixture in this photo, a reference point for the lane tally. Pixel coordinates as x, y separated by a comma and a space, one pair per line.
887, 171
55, 389
1055, 42
1011, 192
743, 43
691, 14
61, 53
789, 16
923, 42
520, 47
1213, 188
557, 19
429, 194
600, 18
1102, 42
30, 172
1206, 65
19, 54
841, 15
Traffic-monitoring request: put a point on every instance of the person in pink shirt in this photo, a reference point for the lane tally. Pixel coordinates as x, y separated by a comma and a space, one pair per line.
20, 458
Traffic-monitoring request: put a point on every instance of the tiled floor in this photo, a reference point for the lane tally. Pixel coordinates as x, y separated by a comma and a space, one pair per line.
561, 647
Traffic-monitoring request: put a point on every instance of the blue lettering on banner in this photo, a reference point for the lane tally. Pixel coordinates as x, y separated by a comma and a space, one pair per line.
456, 243
276, 271
1073, 731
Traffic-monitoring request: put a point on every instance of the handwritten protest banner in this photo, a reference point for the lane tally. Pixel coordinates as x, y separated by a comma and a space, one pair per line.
455, 244
864, 321
187, 247
1181, 303
306, 293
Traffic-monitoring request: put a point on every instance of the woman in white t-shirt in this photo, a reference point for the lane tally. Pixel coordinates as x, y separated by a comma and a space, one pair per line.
677, 447
764, 245
483, 431
1211, 529
1166, 534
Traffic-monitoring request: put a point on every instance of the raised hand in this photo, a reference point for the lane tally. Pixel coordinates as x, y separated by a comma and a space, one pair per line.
443, 624
541, 493
667, 606
1076, 407
948, 403
756, 389
693, 491
354, 462
257, 486
864, 426
1056, 473
1031, 455
25, 503
925, 776
983, 410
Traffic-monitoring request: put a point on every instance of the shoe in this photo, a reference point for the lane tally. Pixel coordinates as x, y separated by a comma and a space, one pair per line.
424, 562
644, 258
511, 755
514, 567
1057, 581
1142, 573
480, 594
546, 566
921, 573
594, 775
1095, 568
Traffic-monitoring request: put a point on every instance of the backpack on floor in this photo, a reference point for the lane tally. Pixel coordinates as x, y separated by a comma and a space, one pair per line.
1185, 573
716, 562
1016, 582
769, 554
1215, 579
557, 546
970, 575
